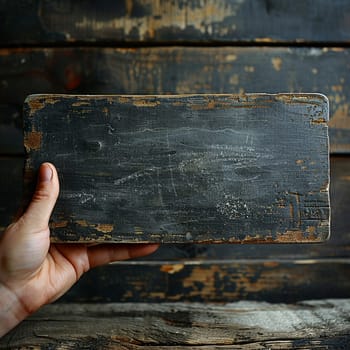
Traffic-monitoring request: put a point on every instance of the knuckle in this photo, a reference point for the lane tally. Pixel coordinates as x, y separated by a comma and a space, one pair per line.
41, 194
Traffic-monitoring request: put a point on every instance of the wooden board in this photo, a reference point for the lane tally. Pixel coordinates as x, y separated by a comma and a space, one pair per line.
11, 189
207, 280
149, 21
242, 325
196, 168
173, 70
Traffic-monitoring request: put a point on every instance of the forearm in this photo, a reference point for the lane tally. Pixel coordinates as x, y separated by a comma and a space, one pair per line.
11, 310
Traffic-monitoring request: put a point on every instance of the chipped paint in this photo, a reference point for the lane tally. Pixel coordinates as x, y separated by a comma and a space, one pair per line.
121, 99
165, 15
38, 102
145, 103
318, 121
296, 236
210, 105
82, 223
35, 105
80, 103
172, 268
276, 63
105, 228
264, 40
291, 210
59, 224
249, 69
138, 230
311, 230
337, 88
234, 79
337, 49
271, 264
32, 140
230, 58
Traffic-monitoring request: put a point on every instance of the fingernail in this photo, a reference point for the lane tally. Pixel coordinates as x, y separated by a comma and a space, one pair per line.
45, 174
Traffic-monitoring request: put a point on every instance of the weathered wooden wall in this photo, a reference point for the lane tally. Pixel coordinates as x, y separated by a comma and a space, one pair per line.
154, 21
188, 47
173, 70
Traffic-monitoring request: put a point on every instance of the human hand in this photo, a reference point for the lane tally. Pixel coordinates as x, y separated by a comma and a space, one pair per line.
34, 272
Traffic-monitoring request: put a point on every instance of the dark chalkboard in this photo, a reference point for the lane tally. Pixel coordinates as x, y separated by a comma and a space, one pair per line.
187, 168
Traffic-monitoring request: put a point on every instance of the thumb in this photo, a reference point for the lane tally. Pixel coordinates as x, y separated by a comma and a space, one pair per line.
37, 215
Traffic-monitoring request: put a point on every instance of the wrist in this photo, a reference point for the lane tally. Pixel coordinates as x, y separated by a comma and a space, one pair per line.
11, 310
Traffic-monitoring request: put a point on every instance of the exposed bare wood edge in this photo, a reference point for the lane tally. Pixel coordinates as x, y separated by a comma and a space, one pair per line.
251, 261
249, 240
171, 325
34, 103
134, 44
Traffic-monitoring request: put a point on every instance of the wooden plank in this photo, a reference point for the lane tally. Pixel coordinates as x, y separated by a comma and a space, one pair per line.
278, 280
11, 188
191, 168
11, 133
243, 325
176, 70
151, 21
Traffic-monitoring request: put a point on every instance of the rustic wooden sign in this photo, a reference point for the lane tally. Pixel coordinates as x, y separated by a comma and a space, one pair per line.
187, 168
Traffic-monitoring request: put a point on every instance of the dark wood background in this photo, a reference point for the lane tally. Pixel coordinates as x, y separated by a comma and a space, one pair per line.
161, 47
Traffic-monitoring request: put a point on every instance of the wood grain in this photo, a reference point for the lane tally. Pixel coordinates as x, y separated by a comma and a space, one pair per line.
196, 168
242, 325
150, 21
173, 70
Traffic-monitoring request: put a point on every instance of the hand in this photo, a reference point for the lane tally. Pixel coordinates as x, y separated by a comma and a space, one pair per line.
34, 272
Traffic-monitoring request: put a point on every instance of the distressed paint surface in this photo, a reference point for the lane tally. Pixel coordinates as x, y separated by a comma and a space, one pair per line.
198, 168
173, 70
338, 246
154, 21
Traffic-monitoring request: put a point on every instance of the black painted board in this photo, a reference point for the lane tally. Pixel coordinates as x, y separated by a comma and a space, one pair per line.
173, 70
338, 246
190, 168
149, 21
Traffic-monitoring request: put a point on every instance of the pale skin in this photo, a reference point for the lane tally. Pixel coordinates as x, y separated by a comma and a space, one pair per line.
34, 272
